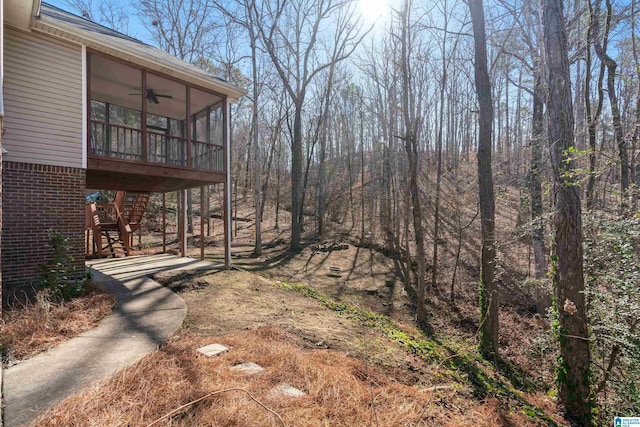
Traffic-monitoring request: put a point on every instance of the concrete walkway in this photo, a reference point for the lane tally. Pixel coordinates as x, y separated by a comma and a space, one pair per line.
145, 315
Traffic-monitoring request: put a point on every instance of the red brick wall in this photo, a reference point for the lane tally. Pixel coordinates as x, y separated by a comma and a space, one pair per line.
37, 198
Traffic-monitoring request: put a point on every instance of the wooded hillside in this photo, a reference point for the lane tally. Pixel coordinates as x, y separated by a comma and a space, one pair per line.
416, 134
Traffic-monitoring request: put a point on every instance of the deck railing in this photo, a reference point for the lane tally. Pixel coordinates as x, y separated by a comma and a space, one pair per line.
168, 150
207, 156
120, 142
125, 143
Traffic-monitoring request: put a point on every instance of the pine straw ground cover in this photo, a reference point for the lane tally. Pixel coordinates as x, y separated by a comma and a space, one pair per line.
176, 386
35, 327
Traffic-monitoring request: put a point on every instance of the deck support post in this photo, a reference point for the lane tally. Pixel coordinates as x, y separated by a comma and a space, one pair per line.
202, 212
227, 182
183, 223
164, 223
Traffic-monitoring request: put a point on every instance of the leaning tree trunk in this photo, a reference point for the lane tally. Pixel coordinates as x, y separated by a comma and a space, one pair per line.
571, 330
488, 289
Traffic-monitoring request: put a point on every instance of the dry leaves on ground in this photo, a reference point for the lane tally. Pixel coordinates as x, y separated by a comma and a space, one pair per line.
340, 391
38, 326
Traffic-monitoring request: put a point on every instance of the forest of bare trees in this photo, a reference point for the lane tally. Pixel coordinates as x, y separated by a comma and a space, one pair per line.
376, 126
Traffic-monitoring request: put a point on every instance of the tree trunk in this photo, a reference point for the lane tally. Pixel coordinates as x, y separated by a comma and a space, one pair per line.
267, 175
601, 50
535, 179
361, 175
278, 176
436, 219
635, 170
257, 249
619, 134
487, 289
321, 186
189, 211
296, 178
411, 147
592, 116
571, 330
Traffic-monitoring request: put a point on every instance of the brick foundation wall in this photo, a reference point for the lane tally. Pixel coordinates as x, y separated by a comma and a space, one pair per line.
37, 198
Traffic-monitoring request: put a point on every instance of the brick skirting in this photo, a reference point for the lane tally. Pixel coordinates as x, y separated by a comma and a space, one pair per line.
37, 198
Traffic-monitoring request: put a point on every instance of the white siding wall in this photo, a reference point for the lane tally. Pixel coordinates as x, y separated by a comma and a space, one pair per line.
42, 100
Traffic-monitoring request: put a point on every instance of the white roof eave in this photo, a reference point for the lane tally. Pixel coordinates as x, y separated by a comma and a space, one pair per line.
65, 31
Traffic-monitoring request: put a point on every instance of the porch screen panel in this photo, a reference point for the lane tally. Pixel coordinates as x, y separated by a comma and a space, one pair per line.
116, 103
166, 112
206, 127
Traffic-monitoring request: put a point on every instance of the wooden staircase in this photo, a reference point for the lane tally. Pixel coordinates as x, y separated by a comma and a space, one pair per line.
112, 225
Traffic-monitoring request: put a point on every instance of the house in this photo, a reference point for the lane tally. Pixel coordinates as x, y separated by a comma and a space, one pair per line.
87, 107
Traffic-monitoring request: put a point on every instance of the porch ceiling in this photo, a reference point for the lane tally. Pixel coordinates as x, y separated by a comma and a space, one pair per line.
119, 84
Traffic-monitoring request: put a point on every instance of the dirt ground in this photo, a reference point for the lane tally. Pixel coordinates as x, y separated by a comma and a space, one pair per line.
366, 278
226, 302
253, 297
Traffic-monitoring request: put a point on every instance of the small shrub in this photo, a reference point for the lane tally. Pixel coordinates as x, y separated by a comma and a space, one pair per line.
612, 260
58, 275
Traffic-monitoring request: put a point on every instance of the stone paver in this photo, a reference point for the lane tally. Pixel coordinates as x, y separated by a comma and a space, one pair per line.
287, 390
212, 350
248, 368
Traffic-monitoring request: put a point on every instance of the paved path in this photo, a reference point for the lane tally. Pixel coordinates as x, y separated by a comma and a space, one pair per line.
145, 315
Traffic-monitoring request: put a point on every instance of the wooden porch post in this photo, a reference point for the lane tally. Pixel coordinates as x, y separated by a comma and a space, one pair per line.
164, 223
88, 101
227, 184
183, 224
144, 116
190, 127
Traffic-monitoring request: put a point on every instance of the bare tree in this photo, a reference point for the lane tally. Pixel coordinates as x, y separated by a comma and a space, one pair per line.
244, 16
444, 74
106, 13
572, 332
600, 45
411, 101
183, 28
290, 31
635, 169
592, 116
488, 287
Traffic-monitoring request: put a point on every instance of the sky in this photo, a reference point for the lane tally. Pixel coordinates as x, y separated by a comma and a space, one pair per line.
372, 11
136, 28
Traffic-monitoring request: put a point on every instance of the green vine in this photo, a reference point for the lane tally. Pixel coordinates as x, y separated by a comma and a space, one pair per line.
464, 366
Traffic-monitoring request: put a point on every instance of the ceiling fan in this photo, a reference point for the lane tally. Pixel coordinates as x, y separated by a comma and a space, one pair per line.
153, 97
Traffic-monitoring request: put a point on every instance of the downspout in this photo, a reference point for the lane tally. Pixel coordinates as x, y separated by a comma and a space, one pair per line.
2, 151
1, 67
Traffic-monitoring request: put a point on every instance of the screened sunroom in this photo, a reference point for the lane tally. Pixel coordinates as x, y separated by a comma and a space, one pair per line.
151, 132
